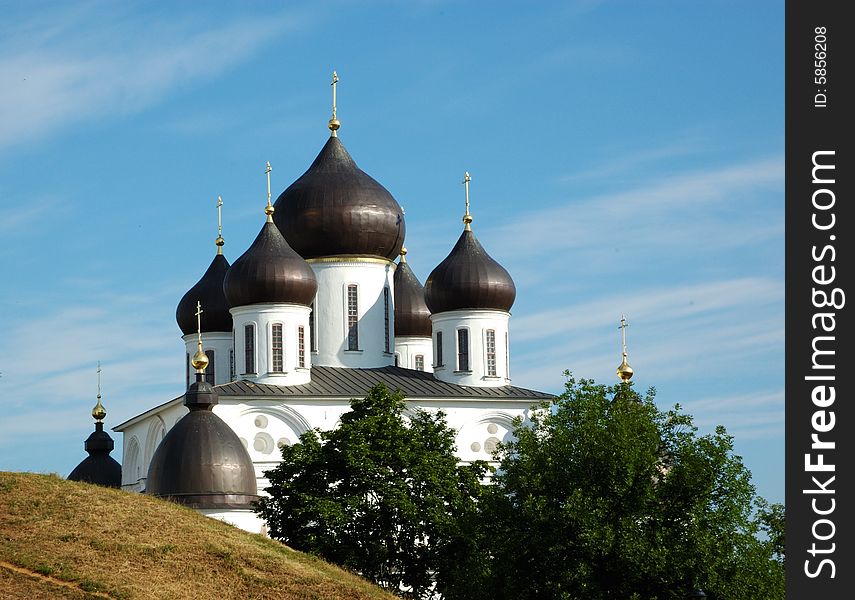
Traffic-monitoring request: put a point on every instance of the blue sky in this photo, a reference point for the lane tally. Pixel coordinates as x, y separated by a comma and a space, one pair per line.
626, 157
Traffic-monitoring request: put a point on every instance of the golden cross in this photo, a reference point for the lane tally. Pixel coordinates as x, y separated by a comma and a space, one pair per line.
334, 81
199, 312
622, 327
269, 210
467, 218
220, 241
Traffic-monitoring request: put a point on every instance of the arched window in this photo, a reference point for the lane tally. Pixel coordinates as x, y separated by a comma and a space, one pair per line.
420, 362
232, 364
209, 370
276, 347
387, 337
312, 326
249, 348
507, 358
462, 349
437, 352
491, 352
352, 318
301, 347
187, 369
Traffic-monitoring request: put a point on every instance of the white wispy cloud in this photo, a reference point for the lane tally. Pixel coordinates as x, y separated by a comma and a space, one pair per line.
67, 72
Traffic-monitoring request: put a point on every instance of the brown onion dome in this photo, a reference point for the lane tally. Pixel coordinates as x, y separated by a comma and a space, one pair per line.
336, 209
201, 462
469, 278
209, 291
99, 467
412, 317
270, 272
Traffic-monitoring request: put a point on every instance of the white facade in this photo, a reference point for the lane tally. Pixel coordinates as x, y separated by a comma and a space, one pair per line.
345, 284
474, 347
271, 343
220, 344
413, 352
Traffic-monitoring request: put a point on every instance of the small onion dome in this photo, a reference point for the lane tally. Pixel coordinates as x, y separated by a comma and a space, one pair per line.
99, 467
336, 209
469, 278
270, 271
412, 317
201, 462
208, 291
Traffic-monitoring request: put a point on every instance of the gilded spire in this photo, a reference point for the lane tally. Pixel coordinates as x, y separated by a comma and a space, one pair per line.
200, 359
467, 218
403, 254
269, 208
99, 412
334, 123
220, 241
624, 371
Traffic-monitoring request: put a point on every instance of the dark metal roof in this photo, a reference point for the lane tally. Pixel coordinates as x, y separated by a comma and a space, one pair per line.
209, 291
270, 271
99, 467
412, 317
201, 462
330, 382
336, 209
469, 278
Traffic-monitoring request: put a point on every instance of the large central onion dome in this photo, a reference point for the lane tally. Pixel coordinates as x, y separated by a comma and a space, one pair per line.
336, 209
201, 462
209, 291
270, 272
469, 278
412, 317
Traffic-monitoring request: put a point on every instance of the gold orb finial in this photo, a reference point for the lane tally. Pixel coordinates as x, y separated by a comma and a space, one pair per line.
403, 254
199, 361
99, 412
624, 371
334, 123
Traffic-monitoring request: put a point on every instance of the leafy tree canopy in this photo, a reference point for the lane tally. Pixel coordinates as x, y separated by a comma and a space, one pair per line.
379, 496
602, 495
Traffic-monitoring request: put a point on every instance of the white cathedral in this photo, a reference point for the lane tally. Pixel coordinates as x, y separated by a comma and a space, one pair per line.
320, 308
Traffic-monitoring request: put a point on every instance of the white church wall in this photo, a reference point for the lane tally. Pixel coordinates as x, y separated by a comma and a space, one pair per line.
370, 276
222, 345
262, 318
477, 324
245, 519
408, 348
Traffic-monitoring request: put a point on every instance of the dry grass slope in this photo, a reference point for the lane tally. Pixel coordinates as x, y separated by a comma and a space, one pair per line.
61, 539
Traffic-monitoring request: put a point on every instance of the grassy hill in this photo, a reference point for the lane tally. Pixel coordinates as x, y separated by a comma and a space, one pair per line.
62, 539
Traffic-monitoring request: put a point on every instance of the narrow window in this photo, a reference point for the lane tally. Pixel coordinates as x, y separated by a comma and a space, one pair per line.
188, 369
209, 370
507, 358
249, 349
386, 316
301, 347
312, 340
231, 365
352, 318
491, 352
276, 347
397, 358
438, 350
420, 362
462, 349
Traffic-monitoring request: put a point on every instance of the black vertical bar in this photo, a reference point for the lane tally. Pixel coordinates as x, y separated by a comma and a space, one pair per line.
820, 225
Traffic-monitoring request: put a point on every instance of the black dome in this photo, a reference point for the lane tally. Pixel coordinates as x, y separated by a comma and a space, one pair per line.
99, 467
412, 317
270, 271
336, 209
469, 278
201, 462
208, 291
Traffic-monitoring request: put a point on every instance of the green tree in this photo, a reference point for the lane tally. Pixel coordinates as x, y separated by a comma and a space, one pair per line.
378, 496
602, 495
